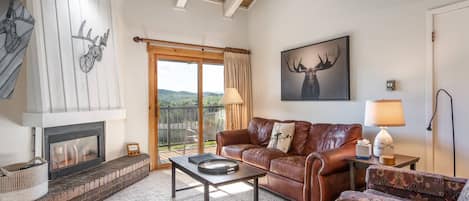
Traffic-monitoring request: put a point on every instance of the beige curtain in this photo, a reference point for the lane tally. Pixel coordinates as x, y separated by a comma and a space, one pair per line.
238, 75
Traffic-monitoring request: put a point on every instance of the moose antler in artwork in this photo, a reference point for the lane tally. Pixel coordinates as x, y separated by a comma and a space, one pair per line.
8, 27
310, 88
95, 49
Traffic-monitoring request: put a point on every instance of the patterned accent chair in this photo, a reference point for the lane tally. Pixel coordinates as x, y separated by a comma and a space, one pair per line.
391, 184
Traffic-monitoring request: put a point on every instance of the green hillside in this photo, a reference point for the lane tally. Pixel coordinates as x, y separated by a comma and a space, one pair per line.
184, 98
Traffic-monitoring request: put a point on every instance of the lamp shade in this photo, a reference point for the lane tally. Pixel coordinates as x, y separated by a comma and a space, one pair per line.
231, 97
384, 113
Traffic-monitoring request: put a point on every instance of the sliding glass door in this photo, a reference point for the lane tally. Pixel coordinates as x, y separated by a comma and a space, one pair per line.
189, 112
213, 110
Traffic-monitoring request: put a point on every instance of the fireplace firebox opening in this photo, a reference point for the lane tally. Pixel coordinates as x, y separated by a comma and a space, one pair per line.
74, 148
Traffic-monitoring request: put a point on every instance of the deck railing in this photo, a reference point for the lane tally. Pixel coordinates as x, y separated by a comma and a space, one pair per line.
180, 125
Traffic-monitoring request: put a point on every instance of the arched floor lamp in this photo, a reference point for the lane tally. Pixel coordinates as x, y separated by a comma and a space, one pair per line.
429, 128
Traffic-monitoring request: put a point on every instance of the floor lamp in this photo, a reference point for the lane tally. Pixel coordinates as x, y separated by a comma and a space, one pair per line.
429, 128
231, 97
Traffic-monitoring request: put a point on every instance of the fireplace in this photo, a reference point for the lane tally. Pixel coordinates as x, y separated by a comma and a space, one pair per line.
71, 149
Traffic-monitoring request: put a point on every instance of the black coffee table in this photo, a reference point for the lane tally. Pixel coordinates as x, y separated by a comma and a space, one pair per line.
244, 173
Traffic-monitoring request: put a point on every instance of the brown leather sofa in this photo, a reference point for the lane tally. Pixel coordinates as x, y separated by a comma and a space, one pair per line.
313, 169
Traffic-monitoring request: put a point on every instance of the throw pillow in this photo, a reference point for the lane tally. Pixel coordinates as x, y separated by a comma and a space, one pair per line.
464, 196
282, 136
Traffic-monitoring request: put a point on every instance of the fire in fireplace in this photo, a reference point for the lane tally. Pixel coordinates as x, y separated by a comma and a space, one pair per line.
73, 148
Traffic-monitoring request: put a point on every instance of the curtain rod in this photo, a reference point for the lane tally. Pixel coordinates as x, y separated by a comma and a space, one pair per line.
188, 45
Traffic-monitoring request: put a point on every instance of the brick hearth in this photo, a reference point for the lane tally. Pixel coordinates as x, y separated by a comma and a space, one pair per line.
100, 182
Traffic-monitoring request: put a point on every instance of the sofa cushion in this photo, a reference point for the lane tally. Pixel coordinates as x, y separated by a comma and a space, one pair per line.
292, 167
282, 136
236, 151
259, 130
405, 183
363, 196
261, 157
299, 139
323, 137
383, 194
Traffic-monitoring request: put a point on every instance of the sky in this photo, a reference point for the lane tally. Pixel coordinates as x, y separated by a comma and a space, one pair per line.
179, 76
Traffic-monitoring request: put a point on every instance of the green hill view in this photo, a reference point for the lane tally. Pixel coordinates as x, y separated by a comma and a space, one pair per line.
184, 98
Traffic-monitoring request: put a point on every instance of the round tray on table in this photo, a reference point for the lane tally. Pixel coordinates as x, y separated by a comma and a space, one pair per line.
218, 166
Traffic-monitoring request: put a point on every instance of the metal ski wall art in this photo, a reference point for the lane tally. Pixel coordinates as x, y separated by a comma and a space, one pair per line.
16, 27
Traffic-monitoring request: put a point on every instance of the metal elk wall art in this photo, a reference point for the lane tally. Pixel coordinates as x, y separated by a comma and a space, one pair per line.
16, 27
317, 72
95, 48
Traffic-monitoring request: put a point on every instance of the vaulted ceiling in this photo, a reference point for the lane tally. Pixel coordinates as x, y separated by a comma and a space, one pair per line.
229, 6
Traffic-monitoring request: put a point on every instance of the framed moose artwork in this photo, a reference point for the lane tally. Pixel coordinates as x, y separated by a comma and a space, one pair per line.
317, 72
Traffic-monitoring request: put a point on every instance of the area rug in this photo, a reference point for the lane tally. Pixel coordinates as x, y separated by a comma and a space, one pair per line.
157, 186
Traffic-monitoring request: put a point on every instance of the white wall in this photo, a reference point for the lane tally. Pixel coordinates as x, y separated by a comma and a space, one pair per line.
115, 139
15, 140
387, 42
201, 23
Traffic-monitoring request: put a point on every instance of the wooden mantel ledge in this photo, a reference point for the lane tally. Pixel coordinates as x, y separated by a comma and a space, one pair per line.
45, 120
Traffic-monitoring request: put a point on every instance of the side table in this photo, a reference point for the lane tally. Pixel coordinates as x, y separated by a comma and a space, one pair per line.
401, 161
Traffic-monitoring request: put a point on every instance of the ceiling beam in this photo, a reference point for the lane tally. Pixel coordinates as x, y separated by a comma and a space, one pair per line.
181, 4
247, 4
230, 7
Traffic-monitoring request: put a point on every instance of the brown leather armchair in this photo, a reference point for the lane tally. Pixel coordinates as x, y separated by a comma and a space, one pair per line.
314, 168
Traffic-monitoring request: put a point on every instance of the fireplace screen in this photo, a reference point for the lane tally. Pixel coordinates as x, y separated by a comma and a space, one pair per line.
74, 148
72, 152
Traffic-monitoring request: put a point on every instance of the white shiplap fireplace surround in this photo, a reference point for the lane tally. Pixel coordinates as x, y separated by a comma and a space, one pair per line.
59, 93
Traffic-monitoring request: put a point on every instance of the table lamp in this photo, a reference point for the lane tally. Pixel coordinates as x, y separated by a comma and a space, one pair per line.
384, 114
231, 97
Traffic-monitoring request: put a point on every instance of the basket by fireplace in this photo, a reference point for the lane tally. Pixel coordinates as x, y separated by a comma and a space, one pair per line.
24, 181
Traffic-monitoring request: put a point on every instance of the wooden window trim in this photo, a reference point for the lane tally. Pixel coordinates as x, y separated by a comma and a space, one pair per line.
178, 52
156, 53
